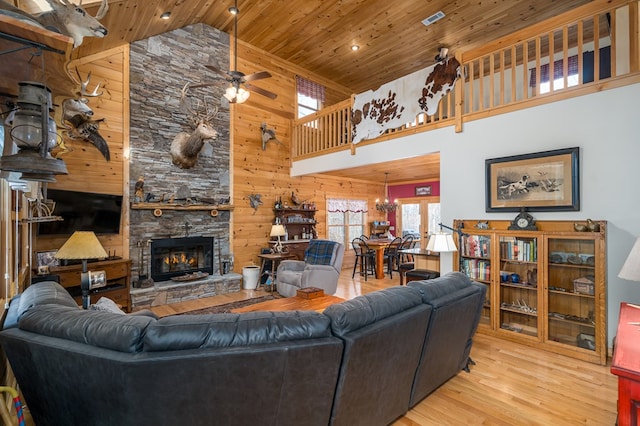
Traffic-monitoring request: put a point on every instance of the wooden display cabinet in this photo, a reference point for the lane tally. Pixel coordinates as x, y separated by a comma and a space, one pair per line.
301, 228
376, 229
118, 273
545, 288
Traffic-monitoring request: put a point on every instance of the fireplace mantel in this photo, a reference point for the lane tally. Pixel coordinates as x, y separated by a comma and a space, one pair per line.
158, 207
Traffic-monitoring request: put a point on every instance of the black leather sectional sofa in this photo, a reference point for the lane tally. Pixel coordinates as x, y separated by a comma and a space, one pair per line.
365, 361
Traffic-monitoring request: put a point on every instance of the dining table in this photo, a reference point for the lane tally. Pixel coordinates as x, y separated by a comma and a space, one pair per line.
379, 244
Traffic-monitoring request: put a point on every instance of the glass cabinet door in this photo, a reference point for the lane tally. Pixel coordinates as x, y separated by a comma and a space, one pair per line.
518, 279
570, 296
475, 262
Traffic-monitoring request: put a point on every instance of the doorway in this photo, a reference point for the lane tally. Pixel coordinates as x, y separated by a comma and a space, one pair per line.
419, 217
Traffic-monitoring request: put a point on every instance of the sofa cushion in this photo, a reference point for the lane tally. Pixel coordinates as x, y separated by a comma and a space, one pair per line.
369, 308
121, 333
226, 330
42, 293
436, 288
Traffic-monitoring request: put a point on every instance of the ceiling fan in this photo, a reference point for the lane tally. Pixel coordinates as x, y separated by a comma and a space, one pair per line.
235, 92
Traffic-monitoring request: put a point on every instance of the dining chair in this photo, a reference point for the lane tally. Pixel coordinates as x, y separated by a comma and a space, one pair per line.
391, 256
365, 256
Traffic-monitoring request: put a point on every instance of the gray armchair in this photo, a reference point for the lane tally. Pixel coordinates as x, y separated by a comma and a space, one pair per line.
321, 268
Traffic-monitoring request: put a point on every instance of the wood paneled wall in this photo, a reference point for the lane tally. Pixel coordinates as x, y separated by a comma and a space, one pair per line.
267, 172
88, 170
254, 171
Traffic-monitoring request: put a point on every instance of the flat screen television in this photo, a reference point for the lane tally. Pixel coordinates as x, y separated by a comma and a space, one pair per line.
83, 211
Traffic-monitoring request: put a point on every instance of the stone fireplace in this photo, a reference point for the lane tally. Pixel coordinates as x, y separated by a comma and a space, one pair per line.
159, 68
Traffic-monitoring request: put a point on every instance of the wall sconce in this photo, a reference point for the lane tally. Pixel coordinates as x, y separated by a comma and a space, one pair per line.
34, 133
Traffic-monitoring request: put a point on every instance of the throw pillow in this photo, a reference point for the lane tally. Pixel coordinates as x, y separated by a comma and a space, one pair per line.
106, 304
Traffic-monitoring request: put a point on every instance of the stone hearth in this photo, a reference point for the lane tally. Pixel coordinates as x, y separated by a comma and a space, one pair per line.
165, 292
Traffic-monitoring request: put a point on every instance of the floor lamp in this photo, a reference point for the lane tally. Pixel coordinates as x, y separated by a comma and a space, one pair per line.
82, 245
441, 242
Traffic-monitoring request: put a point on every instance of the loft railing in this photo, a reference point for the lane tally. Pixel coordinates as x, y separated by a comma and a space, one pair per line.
591, 48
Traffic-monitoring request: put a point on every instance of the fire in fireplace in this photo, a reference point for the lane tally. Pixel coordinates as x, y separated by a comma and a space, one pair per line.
172, 257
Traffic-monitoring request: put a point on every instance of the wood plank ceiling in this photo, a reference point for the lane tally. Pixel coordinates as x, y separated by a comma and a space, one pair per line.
317, 35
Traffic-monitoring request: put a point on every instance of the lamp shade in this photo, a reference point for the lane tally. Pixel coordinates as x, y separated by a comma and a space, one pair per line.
631, 268
441, 242
81, 245
277, 231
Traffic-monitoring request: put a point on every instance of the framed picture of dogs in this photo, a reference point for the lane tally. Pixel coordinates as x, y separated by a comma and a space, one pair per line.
541, 181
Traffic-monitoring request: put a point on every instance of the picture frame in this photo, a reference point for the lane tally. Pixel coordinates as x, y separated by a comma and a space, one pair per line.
541, 181
423, 190
97, 279
46, 260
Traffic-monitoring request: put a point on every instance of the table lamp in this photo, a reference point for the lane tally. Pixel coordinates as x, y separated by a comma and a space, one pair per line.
82, 245
631, 268
278, 230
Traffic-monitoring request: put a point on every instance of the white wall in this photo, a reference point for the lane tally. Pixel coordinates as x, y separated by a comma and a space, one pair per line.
603, 125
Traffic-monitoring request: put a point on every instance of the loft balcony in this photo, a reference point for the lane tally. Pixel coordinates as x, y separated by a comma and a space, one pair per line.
590, 49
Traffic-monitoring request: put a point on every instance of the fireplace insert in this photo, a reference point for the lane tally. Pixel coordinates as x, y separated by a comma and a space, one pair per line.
173, 257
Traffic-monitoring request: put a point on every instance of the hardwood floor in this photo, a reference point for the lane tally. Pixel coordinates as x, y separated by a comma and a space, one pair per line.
510, 384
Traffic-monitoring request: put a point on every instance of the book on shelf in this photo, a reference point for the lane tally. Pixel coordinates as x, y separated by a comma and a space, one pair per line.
476, 246
519, 249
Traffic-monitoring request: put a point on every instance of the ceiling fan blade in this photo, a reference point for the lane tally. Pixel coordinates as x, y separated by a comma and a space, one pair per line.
257, 76
260, 91
214, 69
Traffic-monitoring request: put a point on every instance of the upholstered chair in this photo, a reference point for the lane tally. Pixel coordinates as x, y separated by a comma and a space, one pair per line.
321, 268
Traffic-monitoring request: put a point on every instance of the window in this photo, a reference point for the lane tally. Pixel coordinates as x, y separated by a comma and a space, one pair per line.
346, 220
310, 96
558, 75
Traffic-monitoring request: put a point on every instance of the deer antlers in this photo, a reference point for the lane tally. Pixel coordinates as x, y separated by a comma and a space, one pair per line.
84, 84
186, 104
104, 7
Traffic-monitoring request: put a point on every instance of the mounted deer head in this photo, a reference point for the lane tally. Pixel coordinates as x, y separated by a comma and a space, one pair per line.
186, 147
72, 20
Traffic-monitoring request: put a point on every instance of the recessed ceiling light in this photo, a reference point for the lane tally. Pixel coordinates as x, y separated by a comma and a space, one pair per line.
233, 10
165, 15
355, 47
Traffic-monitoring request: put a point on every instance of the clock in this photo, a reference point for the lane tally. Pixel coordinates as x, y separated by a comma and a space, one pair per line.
523, 222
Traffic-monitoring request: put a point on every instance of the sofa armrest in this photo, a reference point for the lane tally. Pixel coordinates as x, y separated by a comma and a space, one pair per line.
291, 265
319, 268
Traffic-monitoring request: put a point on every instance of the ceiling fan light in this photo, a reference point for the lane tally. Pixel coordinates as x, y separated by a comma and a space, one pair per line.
243, 95
234, 95
230, 94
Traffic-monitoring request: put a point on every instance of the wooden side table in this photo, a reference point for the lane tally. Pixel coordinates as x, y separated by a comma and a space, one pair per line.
275, 259
626, 364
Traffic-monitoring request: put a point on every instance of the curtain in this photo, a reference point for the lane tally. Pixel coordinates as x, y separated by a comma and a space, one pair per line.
309, 88
340, 205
